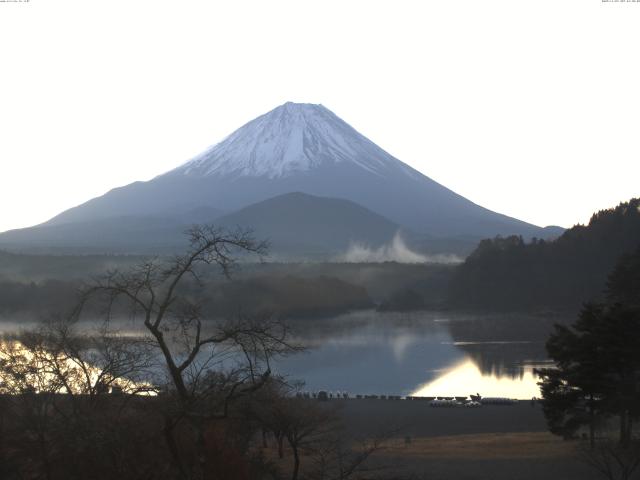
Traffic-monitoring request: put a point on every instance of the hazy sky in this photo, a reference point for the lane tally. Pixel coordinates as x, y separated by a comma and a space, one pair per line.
530, 108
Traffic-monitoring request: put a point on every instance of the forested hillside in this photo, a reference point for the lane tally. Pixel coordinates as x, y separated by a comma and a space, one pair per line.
510, 274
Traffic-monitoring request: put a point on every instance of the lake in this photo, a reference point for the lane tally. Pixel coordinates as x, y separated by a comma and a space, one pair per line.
418, 353
424, 353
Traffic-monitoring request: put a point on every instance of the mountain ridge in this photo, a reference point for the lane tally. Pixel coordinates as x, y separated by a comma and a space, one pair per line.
297, 148
316, 224
294, 223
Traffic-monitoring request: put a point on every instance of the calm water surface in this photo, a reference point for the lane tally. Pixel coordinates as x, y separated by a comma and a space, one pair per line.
424, 353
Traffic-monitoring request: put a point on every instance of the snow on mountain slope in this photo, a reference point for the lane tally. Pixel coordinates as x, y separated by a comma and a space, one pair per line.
292, 138
299, 148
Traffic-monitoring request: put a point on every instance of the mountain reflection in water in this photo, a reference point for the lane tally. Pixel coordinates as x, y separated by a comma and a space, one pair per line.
421, 354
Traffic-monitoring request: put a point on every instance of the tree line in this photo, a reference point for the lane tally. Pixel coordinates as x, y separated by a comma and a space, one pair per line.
284, 295
513, 274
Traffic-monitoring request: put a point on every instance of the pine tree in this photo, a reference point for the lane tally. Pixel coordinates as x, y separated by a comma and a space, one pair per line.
597, 360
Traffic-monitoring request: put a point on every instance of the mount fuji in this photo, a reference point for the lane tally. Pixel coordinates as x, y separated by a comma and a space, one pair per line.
294, 148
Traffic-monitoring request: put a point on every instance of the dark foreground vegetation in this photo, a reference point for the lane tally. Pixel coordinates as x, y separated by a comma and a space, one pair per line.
188, 399
596, 378
194, 397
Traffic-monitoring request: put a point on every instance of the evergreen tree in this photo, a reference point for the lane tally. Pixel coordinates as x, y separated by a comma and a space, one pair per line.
597, 360
623, 285
573, 392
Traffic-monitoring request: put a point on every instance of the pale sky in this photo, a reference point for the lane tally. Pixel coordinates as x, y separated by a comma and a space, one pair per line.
530, 108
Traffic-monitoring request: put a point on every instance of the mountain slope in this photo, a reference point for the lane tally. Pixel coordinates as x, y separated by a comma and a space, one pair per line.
302, 148
126, 234
295, 224
289, 140
117, 234
297, 221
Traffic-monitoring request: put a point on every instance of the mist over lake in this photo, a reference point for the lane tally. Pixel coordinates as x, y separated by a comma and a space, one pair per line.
369, 352
423, 353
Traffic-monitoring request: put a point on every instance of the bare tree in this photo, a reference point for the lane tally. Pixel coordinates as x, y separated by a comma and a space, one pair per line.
209, 363
320, 446
302, 423
55, 380
339, 457
611, 459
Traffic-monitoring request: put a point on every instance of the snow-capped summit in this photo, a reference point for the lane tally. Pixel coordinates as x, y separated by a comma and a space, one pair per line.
294, 137
303, 148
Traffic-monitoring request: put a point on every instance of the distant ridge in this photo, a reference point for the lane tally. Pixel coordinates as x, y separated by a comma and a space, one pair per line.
294, 224
296, 221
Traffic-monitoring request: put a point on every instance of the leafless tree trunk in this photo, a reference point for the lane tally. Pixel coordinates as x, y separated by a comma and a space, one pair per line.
612, 460
191, 346
56, 379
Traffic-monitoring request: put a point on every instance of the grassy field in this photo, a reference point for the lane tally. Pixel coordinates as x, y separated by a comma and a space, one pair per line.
426, 443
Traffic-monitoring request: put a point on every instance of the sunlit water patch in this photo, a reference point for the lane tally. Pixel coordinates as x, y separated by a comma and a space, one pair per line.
413, 354
465, 378
42, 371
424, 353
